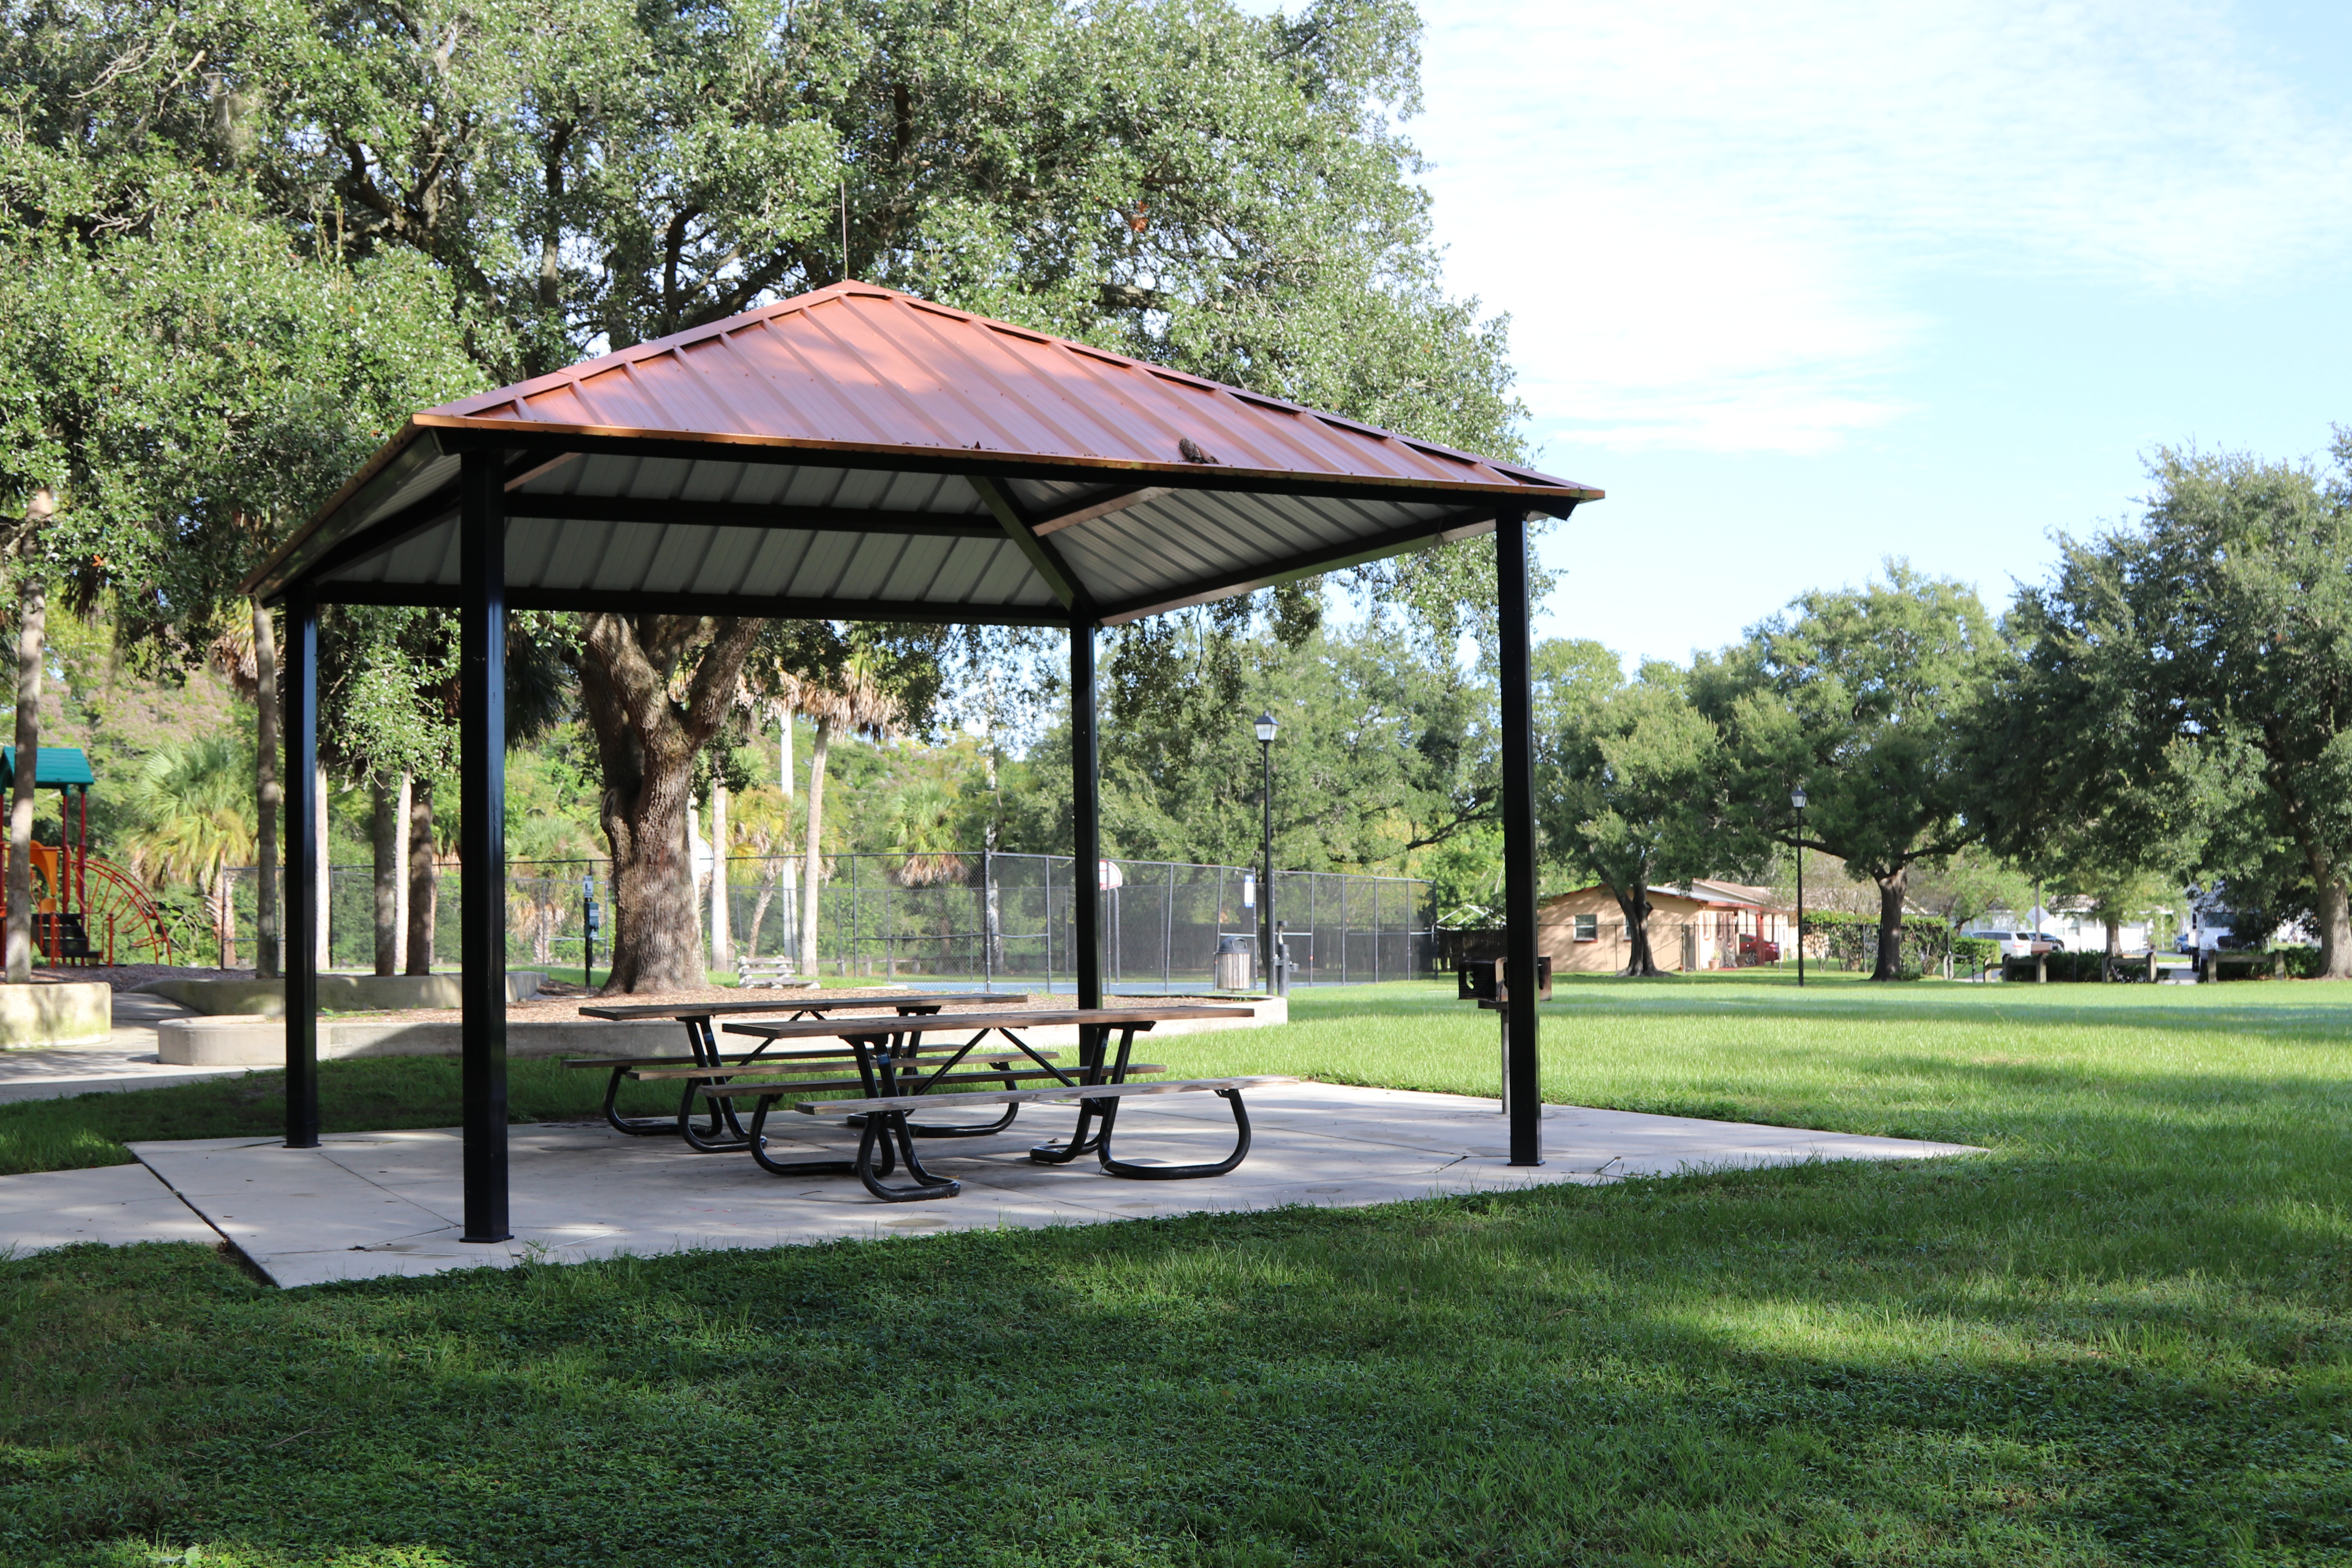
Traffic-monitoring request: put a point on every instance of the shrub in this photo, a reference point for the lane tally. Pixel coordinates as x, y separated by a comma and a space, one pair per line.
2302, 962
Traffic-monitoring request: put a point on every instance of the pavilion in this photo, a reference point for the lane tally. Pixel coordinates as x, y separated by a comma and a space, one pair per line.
858, 454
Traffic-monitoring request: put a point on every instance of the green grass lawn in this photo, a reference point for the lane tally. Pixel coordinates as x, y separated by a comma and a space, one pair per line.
2121, 1337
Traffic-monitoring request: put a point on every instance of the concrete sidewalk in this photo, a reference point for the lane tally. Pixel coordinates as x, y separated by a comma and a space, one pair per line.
127, 1060
372, 1203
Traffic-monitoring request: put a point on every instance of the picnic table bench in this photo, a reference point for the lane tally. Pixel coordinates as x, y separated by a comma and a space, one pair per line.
898, 1072
725, 1134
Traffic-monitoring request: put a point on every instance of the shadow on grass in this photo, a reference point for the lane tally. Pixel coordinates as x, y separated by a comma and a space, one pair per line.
1826, 1363
354, 1096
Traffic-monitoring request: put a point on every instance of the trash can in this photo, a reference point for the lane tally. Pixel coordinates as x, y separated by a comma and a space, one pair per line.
1234, 963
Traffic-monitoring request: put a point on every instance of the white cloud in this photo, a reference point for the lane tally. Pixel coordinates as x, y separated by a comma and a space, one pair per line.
1715, 222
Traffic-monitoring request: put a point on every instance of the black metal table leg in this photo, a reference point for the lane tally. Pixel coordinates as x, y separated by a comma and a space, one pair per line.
1177, 1173
709, 1140
1057, 1152
635, 1126
882, 1128
792, 1167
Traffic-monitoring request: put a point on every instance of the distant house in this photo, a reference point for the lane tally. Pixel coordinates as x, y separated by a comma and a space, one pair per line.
1710, 925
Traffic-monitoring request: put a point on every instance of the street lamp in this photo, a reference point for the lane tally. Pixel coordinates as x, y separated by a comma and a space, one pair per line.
1797, 799
1273, 976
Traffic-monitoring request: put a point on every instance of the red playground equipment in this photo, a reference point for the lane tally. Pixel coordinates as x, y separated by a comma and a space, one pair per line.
76, 893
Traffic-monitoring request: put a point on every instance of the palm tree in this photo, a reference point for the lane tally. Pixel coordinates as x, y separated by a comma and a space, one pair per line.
759, 821
195, 812
922, 828
855, 703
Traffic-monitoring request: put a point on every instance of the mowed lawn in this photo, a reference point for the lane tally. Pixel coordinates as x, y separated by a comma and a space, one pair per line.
2121, 1336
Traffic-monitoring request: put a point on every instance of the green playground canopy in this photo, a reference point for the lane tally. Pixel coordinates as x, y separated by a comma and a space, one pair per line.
61, 767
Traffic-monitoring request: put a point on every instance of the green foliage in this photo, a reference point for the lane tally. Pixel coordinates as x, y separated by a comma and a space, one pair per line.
2207, 653
189, 388
1625, 779
1383, 753
1975, 950
1860, 697
1851, 942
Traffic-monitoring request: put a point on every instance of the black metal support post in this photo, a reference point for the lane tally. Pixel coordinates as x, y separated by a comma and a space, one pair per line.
1801, 895
1266, 883
482, 751
1522, 1085
1086, 818
299, 694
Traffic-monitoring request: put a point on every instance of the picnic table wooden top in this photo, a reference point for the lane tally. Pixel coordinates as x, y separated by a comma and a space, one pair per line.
945, 1023
798, 1004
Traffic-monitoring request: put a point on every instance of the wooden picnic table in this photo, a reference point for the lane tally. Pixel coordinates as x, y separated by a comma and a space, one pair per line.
898, 1073
724, 1132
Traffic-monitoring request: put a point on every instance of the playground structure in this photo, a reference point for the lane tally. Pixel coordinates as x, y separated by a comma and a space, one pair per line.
77, 894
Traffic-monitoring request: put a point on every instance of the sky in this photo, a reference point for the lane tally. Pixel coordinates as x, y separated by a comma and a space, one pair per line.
1808, 284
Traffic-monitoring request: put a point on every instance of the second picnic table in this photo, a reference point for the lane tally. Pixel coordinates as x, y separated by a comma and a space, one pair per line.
898, 1073
724, 1132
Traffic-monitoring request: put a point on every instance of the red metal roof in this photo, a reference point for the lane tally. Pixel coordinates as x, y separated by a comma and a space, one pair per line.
860, 368
856, 453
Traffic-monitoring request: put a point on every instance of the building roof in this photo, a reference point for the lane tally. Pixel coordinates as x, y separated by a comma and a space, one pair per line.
859, 453
1705, 894
58, 766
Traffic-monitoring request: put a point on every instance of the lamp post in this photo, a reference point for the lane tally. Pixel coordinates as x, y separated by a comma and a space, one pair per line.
1274, 975
1797, 799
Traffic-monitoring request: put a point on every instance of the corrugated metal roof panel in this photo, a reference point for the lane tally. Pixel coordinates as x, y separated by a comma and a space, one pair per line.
861, 366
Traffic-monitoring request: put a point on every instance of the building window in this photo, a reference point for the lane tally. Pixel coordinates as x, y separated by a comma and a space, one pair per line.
1587, 928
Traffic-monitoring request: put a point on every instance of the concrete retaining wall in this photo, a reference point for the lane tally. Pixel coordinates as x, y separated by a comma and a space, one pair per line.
261, 1042
337, 993
75, 1012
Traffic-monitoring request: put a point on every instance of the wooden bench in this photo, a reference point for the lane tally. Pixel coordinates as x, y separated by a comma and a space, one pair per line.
768, 973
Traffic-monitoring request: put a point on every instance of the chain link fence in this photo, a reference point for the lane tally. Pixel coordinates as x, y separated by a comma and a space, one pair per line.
985, 917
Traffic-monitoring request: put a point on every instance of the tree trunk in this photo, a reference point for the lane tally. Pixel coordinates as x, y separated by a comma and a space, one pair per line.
1890, 925
722, 937
1639, 962
698, 849
645, 745
766, 896
2115, 924
268, 794
326, 884
2335, 912
815, 827
384, 846
424, 878
402, 806
33, 606
225, 915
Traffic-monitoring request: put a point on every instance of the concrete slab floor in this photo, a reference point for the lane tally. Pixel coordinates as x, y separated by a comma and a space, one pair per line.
366, 1205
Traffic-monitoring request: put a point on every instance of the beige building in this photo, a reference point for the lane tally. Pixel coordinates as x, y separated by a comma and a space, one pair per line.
1710, 925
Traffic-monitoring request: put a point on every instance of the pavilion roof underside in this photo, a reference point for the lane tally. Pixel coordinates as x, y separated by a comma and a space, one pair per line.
606, 530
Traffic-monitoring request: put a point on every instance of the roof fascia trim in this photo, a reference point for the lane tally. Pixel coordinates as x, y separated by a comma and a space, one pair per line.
456, 435
1396, 541
633, 601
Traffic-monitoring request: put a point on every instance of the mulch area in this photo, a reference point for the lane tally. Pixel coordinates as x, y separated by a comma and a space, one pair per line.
132, 976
